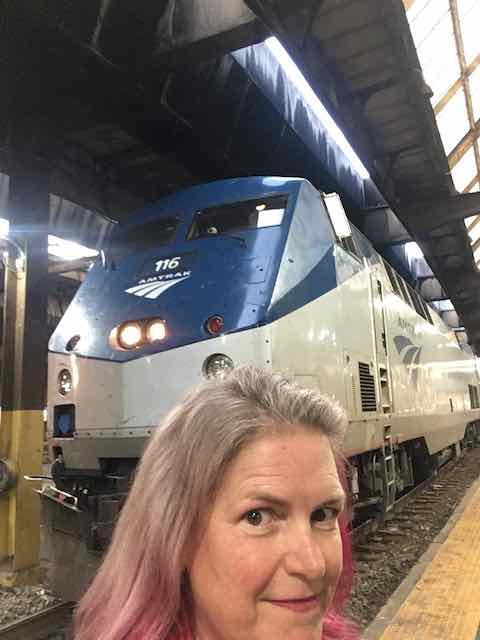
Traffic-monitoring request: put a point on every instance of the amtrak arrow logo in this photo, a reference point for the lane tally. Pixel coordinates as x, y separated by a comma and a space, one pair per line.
152, 290
410, 356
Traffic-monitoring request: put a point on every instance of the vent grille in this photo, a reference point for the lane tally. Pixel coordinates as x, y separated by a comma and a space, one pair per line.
367, 387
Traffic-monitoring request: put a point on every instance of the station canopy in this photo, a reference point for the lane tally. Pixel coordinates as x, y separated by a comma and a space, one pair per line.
446, 35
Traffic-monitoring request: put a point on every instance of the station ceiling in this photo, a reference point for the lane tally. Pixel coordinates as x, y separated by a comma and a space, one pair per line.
124, 102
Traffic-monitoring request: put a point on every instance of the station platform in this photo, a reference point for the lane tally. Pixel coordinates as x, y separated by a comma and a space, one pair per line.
440, 599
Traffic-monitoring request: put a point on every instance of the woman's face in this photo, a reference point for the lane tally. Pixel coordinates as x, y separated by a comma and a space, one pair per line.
269, 558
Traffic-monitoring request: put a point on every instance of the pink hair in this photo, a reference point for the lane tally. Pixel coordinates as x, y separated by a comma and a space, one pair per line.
140, 591
335, 625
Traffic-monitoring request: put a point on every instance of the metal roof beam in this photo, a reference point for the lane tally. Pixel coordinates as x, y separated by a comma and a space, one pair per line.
383, 227
144, 35
469, 304
449, 245
427, 216
323, 76
458, 282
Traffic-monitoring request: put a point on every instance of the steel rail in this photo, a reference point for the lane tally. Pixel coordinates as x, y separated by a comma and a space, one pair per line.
360, 532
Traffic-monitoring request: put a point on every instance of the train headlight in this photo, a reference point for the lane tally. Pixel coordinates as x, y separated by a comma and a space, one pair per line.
217, 366
156, 330
130, 335
137, 333
64, 382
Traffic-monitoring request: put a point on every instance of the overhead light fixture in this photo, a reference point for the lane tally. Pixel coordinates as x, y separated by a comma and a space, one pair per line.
68, 250
298, 79
337, 215
5, 237
4, 227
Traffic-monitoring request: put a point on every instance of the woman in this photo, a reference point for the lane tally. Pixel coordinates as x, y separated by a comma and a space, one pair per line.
235, 527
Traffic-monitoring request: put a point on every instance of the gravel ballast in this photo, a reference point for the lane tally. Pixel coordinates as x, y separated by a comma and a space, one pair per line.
18, 602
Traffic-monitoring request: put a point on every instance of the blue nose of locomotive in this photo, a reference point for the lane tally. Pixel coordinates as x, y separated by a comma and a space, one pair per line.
183, 262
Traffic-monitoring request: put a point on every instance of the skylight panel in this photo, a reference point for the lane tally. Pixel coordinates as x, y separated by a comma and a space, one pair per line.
469, 15
476, 255
453, 122
476, 187
437, 54
425, 16
475, 91
464, 171
474, 232
473, 226
415, 9
464, 6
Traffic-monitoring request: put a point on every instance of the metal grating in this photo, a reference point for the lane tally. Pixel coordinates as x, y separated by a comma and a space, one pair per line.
367, 387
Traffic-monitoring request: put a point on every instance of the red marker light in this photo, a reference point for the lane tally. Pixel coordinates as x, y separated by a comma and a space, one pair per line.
214, 325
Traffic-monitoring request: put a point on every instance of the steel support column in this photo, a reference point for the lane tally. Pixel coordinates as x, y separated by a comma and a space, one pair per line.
23, 374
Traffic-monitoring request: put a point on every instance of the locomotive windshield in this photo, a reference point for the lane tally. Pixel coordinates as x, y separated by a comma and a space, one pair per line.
153, 234
238, 216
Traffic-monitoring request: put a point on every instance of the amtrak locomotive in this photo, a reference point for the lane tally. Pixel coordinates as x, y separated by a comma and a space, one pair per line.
260, 270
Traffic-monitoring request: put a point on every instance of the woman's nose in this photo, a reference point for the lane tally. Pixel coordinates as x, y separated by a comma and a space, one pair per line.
305, 555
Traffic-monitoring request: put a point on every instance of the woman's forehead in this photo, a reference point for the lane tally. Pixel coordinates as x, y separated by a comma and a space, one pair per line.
278, 460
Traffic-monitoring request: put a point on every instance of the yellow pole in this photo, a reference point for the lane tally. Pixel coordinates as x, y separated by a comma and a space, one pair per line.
23, 369
20, 506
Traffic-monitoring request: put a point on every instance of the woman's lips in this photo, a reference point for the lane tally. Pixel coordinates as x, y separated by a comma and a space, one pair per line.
300, 604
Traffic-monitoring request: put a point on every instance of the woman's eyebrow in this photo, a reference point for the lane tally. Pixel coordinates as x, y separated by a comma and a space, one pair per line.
337, 498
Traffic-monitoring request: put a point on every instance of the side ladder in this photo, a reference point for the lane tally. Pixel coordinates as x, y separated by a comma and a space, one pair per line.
388, 470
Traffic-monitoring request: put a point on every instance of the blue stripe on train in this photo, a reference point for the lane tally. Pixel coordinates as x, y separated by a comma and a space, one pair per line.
321, 279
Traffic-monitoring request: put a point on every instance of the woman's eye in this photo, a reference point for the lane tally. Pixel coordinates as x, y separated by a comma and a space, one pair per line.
325, 514
257, 517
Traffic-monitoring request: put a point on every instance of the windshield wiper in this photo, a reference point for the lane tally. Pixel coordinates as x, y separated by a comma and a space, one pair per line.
242, 241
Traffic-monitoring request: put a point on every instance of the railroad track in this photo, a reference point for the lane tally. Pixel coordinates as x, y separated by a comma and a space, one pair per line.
51, 622
385, 552
363, 530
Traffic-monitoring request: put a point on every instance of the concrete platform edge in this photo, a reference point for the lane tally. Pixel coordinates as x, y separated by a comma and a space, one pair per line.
386, 614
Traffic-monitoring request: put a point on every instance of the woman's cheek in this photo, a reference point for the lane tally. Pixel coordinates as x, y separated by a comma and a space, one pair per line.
334, 558
249, 564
